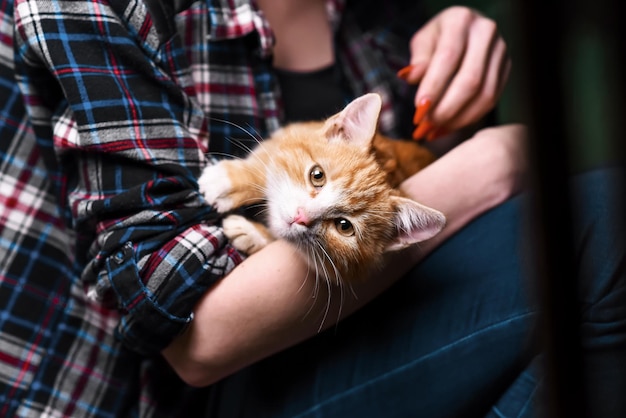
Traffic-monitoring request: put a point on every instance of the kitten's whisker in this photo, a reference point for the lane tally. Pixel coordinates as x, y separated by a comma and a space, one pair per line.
257, 173
328, 281
315, 271
328, 300
339, 282
238, 143
252, 202
312, 262
260, 205
315, 283
251, 132
317, 276
298, 250
341, 301
252, 135
262, 211
255, 136
332, 263
213, 155
261, 189
352, 290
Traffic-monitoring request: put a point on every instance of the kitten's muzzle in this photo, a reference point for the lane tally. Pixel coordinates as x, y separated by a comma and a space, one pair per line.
301, 218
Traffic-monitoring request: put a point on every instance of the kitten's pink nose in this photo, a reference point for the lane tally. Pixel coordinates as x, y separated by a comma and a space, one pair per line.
301, 217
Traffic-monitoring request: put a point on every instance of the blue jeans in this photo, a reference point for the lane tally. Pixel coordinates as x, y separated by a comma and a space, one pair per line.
455, 337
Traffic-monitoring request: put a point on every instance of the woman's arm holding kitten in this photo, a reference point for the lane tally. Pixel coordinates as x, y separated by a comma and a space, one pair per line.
264, 305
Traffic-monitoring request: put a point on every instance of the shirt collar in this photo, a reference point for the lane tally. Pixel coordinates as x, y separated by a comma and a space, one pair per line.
235, 18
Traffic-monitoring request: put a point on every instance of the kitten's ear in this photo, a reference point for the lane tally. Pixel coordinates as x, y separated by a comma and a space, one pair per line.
414, 223
357, 122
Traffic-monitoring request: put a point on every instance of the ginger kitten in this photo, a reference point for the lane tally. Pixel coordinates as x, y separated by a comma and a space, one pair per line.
328, 188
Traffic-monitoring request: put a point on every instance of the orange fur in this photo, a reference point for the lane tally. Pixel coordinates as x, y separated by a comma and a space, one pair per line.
400, 159
329, 189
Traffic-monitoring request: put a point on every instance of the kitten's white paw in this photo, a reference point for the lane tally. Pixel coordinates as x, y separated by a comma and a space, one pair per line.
215, 186
244, 234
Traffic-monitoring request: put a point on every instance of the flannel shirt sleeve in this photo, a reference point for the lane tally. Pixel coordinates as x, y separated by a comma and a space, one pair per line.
111, 96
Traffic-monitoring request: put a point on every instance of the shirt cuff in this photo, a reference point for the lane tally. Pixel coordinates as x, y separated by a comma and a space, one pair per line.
157, 293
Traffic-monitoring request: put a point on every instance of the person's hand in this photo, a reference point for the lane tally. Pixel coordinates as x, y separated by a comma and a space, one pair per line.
461, 64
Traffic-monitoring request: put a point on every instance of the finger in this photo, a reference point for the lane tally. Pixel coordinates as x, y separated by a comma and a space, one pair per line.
495, 81
423, 130
447, 57
422, 47
503, 72
469, 81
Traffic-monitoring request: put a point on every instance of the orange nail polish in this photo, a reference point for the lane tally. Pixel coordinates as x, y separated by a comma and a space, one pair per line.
436, 133
403, 72
422, 129
420, 111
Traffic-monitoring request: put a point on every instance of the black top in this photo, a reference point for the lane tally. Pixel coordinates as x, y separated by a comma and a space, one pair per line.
313, 95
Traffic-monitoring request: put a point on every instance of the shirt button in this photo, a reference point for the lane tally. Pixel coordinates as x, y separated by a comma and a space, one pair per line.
119, 257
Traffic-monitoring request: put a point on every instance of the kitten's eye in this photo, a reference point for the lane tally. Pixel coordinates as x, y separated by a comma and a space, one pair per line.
344, 227
317, 176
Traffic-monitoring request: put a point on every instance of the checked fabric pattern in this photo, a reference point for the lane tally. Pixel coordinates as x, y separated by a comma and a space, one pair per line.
108, 109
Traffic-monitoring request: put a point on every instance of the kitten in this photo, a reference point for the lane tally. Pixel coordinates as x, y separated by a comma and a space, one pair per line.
328, 189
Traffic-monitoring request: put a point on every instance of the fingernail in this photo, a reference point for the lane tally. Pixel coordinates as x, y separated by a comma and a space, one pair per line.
436, 133
432, 135
420, 111
422, 129
404, 72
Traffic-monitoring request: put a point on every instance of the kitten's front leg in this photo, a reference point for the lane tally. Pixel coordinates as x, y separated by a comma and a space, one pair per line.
231, 184
246, 236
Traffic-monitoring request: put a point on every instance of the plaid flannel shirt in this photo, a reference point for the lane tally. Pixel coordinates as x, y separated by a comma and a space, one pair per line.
108, 110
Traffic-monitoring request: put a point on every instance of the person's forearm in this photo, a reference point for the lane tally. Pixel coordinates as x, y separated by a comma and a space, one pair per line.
269, 302
272, 301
